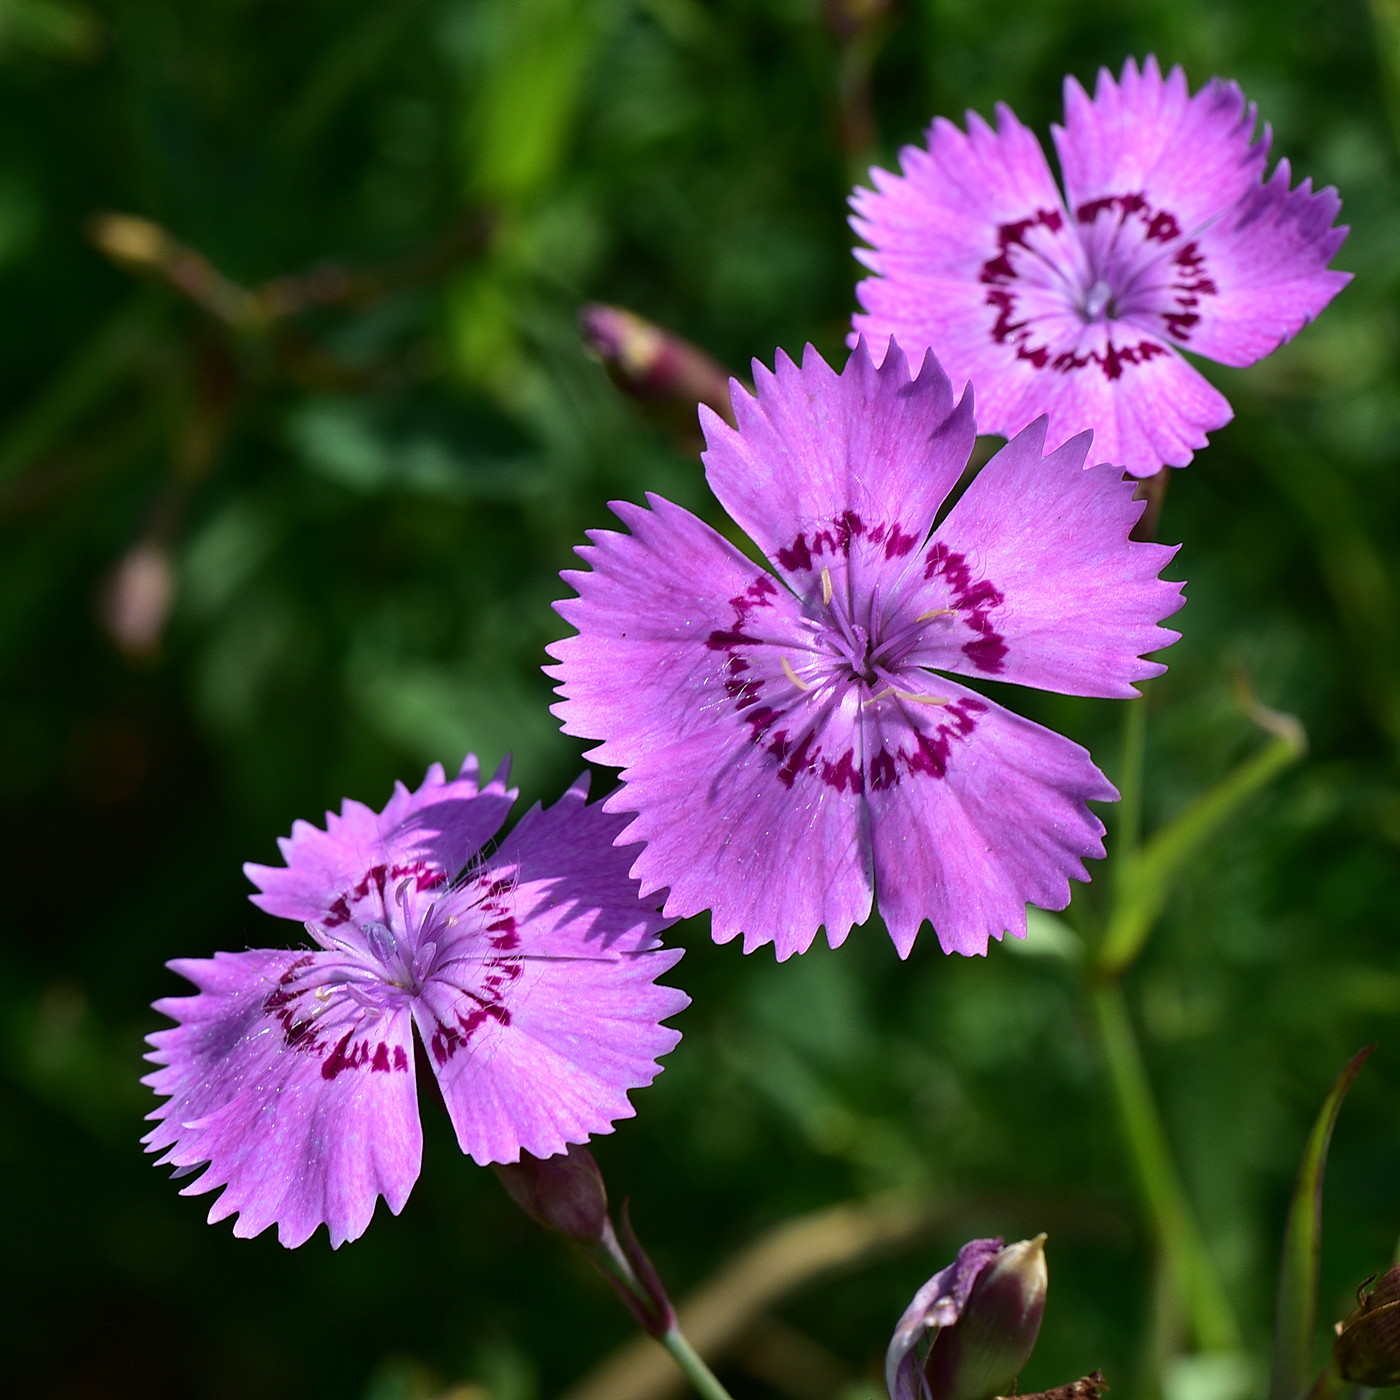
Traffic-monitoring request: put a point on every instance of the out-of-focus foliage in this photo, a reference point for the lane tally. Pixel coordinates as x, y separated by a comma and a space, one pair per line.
286, 478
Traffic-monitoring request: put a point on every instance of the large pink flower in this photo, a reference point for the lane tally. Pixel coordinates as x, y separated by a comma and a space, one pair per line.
786, 745
1168, 238
528, 972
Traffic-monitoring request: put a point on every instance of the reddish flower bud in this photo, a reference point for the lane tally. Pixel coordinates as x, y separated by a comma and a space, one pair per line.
563, 1193
972, 1326
650, 363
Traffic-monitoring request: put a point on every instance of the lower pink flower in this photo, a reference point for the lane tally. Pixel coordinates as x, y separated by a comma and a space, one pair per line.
529, 973
788, 746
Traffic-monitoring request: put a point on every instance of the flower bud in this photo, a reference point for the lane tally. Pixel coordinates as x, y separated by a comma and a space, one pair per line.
650, 363
1367, 1349
563, 1193
971, 1327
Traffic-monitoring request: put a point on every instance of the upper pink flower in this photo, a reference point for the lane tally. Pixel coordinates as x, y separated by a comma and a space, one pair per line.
528, 972
1168, 237
785, 742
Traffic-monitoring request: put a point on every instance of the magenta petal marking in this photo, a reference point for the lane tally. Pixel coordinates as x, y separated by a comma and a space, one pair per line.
788, 749
1169, 238
531, 977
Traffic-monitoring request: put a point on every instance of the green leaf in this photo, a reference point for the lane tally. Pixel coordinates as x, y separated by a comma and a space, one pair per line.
1296, 1313
1145, 876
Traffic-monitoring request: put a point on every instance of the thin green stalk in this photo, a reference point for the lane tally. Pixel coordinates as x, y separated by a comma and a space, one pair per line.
704, 1380
1184, 1256
1130, 777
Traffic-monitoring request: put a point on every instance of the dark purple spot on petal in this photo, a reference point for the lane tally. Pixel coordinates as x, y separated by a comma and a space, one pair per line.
797, 557
843, 775
974, 600
929, 755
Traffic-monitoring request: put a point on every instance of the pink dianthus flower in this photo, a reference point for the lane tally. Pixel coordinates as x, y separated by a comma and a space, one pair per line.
1167, 238
787, 747
528, 971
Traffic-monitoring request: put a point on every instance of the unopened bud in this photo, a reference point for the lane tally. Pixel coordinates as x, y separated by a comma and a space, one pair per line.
563, 1193
1367, 1349
135, 603
650, 363
972, 1327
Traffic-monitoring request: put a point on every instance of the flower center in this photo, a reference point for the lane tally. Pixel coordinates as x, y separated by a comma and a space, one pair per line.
1099, 302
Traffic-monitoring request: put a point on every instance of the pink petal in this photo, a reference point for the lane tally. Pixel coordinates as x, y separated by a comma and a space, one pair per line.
932, 233
1191, 157
1267, 259
974, 813
680, 638
299, 1126
437, 828
579, 1015
1146, 405
1037, 553
819, 456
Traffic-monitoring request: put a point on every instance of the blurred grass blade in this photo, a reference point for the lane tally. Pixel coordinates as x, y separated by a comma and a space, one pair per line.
1296, 1316
1145, 876
1386, 14
1190, 1272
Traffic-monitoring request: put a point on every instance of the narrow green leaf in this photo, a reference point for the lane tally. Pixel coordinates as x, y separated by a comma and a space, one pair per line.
1296, 1315
1145, 876
1190, 1271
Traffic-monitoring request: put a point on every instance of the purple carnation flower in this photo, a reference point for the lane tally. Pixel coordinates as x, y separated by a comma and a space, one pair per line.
529, 973
784, 742
1168, 237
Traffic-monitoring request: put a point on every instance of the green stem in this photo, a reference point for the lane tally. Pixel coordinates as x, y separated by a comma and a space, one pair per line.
1188, 1266
1130, 777
704, 1380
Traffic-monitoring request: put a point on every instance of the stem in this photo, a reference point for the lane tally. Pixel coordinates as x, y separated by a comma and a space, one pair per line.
1188, 1266
704, 1380
1130, 777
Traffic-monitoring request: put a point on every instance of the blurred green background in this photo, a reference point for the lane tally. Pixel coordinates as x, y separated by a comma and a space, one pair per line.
282, 523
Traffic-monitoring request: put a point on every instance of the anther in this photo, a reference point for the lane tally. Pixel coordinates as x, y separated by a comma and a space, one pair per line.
937, 612
792, 675
826, 586
923, 699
